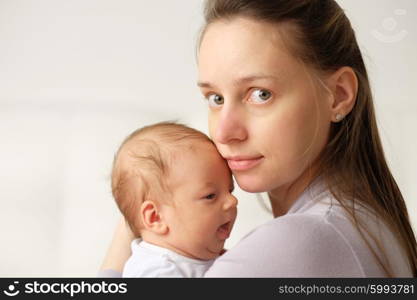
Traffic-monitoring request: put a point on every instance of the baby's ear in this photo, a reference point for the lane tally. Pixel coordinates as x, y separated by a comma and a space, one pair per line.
151, 218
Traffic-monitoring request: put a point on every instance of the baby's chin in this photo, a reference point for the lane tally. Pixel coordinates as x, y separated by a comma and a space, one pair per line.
210, 253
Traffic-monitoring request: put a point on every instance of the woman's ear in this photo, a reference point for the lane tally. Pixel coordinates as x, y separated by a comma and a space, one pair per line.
151, 218
343, 85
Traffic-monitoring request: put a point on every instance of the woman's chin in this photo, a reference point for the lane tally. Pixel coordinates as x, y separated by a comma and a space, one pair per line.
251, 184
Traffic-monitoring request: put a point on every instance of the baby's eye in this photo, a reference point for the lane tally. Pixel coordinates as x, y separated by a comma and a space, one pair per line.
210, 196
260, 96
215, 100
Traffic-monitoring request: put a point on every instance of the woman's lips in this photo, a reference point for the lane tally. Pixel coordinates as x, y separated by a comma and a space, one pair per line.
243, 164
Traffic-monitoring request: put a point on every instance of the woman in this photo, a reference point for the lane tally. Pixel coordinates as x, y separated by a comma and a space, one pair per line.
290, 109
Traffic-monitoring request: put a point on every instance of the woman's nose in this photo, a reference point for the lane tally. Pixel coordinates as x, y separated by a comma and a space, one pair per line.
230, 126
231, 202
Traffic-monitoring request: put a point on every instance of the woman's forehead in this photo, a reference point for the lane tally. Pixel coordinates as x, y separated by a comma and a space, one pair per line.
243, 52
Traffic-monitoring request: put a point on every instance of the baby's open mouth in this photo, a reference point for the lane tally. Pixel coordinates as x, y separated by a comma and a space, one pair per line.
224, 230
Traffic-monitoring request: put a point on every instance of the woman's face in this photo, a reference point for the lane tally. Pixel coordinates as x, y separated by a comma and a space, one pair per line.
263, 112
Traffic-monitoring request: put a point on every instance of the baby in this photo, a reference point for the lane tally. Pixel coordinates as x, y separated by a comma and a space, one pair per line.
175, 191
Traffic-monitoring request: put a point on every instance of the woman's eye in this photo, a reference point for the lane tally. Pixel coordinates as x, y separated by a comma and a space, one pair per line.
215, 100
260, 96
210, 196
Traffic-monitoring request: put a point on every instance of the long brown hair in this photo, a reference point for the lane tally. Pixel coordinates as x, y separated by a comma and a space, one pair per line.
353, 162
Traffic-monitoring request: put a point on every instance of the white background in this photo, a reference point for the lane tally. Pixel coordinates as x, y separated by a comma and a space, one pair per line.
77, 76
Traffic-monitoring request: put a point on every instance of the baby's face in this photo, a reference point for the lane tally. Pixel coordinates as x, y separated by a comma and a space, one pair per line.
203, 210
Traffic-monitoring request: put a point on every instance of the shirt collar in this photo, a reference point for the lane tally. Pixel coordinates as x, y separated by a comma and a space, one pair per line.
307, 198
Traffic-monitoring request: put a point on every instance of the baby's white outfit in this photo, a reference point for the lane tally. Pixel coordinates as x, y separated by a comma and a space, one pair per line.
149, 260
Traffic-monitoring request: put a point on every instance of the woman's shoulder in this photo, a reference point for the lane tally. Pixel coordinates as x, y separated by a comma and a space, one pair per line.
290, 227
299, 232
298, 245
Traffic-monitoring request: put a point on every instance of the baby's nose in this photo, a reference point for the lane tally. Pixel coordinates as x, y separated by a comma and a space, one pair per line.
230, 202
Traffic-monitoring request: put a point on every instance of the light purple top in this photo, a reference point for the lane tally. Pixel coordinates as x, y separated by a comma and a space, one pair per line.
314, 239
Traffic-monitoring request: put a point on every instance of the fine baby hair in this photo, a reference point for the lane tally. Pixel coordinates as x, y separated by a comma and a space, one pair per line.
141, 166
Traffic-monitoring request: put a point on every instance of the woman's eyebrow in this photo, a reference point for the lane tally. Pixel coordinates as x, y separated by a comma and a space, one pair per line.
245, 79
204, 84
251, 78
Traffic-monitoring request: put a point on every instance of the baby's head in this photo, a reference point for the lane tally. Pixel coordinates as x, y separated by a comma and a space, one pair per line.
174, 189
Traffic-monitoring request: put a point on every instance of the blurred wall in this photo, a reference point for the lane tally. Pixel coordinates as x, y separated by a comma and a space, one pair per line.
77, 76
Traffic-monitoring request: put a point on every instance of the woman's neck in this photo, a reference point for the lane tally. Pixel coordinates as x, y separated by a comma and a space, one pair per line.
283, 197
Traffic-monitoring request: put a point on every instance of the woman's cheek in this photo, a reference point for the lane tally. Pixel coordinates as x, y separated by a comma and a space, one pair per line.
212, 124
